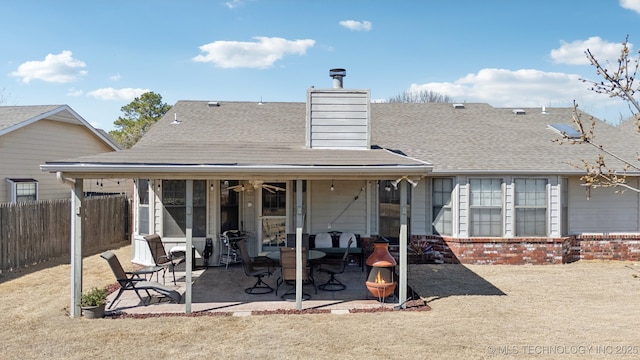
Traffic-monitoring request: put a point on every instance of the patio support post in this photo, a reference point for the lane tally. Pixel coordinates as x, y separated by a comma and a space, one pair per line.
188, 247
402, 292
299, 264
77, 219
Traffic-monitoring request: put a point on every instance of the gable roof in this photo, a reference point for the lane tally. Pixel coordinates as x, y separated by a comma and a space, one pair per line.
407, 138
15, 117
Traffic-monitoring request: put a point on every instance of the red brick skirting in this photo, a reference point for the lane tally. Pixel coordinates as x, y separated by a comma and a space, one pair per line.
537, 251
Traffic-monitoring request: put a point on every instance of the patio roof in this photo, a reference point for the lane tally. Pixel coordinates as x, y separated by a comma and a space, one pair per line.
225, 159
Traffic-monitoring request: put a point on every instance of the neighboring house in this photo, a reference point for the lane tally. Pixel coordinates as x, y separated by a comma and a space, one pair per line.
483, 185
32, 135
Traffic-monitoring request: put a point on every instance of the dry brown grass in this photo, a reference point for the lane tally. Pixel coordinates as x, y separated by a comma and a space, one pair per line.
559, 307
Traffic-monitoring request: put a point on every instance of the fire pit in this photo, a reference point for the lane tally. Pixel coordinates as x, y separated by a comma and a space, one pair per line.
380, 282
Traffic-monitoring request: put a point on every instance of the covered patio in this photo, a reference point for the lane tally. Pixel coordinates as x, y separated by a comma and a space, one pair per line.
221, 290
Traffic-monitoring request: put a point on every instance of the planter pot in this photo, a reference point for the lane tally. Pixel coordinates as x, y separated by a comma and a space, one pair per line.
93, 312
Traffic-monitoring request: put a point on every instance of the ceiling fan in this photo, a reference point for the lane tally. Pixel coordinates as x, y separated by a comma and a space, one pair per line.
257, 184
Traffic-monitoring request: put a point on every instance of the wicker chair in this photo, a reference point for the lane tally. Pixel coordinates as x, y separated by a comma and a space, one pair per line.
288, 272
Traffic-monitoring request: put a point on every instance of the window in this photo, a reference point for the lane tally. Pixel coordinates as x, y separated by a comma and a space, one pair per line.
143, 206
442, 220
531, 207
174, 199
23, 190
274, 216
486, 207
389, 211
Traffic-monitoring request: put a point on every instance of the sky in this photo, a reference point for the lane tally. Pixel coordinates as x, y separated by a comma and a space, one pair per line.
97, 56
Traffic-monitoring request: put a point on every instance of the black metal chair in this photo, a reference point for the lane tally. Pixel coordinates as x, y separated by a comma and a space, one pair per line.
161, 257
333, 268
258, 267
133, 282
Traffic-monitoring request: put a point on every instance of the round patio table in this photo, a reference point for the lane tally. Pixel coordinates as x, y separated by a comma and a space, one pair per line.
311, 255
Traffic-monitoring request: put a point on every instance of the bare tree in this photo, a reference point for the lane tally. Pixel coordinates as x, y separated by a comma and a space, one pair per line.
424, 96
617, 81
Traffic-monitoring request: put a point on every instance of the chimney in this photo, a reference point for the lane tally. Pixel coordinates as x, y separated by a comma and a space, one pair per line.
337, 75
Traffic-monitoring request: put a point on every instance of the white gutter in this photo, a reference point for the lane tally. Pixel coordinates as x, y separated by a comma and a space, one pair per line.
64, 180
334, 169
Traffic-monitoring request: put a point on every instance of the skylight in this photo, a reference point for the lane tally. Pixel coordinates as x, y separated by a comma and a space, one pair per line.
567, 131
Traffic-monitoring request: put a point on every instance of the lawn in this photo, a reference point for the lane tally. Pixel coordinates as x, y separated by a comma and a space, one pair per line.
580, 310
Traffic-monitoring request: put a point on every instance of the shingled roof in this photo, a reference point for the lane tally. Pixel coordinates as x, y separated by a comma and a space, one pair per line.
15, 117
471, 139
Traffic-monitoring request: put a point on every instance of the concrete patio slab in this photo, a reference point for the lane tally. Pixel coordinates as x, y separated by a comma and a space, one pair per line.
221, 290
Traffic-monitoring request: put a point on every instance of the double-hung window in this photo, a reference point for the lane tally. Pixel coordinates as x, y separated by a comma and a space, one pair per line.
531, 207
442, 216
485, 207
23, 190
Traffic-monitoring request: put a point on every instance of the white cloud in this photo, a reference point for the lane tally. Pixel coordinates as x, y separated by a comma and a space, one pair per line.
115, 77
357, 25
61, 68
117, 94
261, 54
631, 5
573, 53
74, 92
234, 4
519, 88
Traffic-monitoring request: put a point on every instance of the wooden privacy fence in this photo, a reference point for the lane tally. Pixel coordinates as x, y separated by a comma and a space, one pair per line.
33, 232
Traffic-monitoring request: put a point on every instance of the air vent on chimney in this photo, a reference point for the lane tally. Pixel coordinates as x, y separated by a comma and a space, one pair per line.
213, 104
458, 106
519, 112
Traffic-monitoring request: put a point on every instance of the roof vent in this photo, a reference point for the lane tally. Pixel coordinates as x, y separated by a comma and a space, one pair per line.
458, 106
337, 75
518, 112
213, 104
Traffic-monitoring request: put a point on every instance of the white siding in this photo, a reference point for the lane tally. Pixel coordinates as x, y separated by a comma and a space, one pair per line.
326, 206
463, 211
554, 211
23, 151
421, 208
338, 119
509, 206
605, 212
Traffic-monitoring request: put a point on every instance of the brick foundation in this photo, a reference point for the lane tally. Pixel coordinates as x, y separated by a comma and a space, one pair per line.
536, 251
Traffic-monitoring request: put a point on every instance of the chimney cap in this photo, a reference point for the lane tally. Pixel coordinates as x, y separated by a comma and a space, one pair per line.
337, 72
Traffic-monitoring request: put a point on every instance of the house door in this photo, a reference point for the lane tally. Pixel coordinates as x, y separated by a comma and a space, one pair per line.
229, 206
273, 216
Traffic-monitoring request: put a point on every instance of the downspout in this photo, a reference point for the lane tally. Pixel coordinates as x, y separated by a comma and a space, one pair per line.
64, 180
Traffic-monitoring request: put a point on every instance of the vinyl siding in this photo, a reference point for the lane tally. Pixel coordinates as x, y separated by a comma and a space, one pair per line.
338, 119
23, 151
554, 207
326, 207
606, 211
421, 208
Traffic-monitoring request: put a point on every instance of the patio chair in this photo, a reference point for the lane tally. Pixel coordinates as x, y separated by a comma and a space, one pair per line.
162, 258
130, 280
288, 272
258, 267
333, 268
324, 240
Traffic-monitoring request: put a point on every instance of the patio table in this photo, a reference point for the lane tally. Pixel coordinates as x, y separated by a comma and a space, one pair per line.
311, 255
